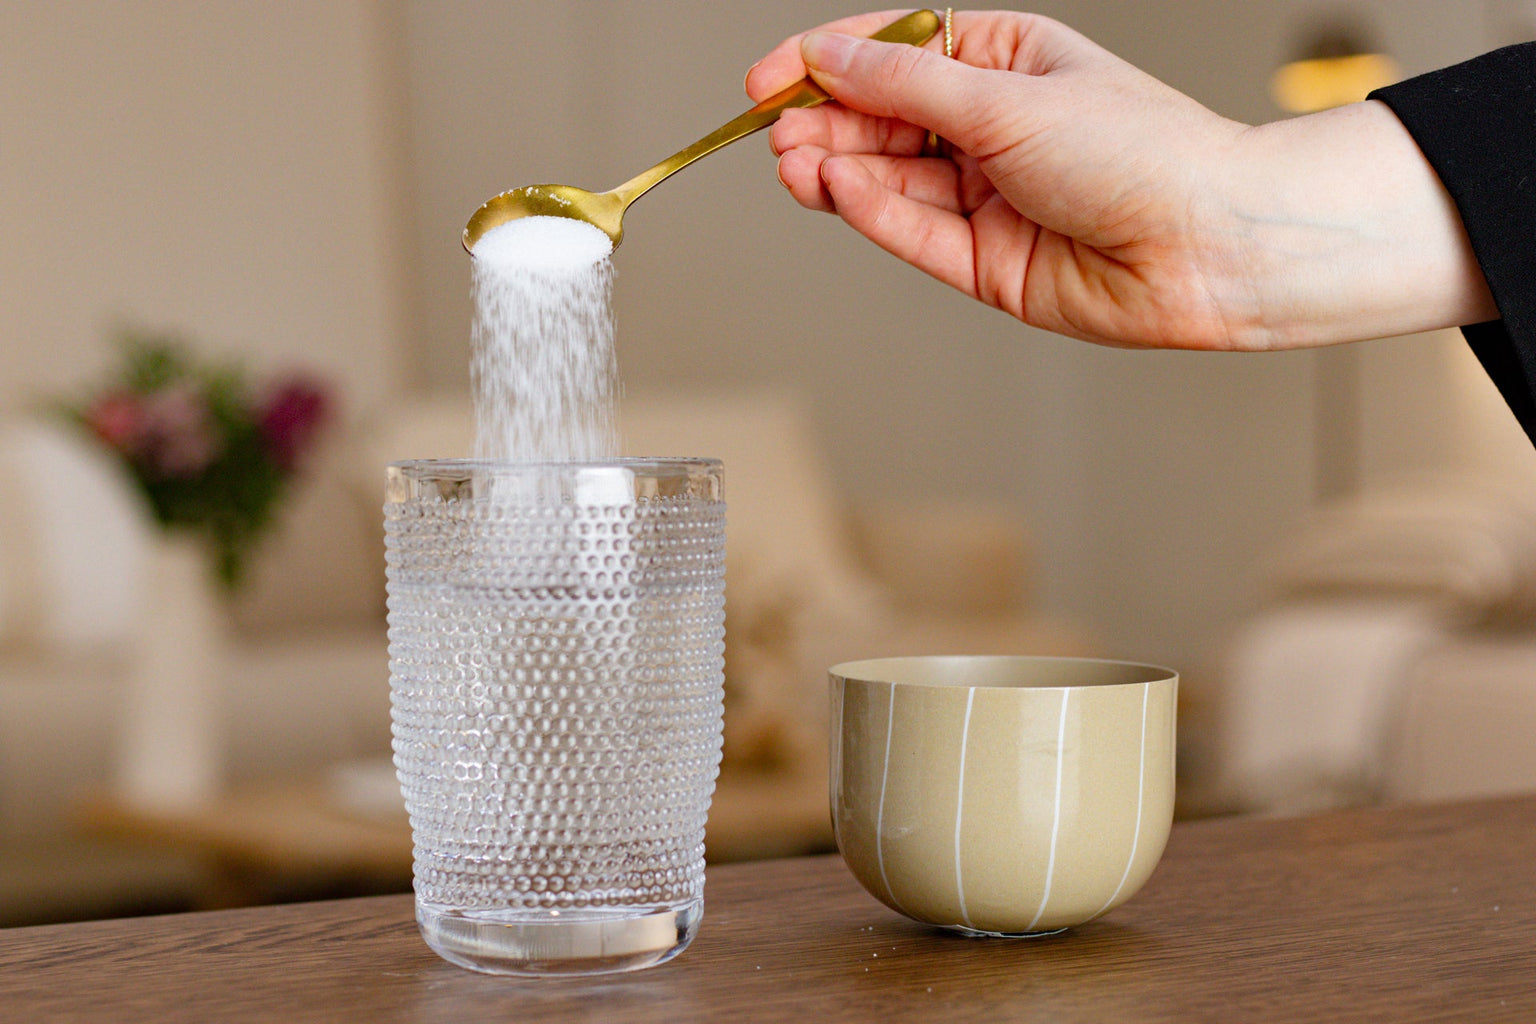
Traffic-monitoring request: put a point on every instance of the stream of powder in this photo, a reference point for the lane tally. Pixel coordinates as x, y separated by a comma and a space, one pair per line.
543, 368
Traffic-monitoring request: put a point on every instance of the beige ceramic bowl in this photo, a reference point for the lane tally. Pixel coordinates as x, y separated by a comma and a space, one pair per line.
1002, 795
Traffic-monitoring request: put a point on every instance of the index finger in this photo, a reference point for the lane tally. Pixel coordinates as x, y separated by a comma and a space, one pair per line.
783, 67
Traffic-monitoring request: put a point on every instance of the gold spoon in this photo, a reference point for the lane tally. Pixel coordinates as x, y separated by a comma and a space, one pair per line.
605, 210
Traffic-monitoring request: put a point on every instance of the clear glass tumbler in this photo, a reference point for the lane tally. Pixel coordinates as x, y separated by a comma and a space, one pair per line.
556, 656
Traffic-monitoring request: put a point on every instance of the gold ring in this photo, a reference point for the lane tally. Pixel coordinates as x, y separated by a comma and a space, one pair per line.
935, 146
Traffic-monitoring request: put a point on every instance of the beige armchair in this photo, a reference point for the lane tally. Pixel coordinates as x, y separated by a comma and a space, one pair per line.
1396, 658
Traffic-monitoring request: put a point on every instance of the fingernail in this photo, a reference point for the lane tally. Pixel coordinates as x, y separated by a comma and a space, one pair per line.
778, 170
748, 75
828, 51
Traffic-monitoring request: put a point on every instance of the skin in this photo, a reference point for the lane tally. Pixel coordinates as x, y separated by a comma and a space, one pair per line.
1087, 198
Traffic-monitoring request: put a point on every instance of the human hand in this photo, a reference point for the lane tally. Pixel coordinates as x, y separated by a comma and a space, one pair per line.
1085, 197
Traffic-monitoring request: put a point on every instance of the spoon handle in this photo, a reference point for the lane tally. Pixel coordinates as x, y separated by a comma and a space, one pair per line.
915, 28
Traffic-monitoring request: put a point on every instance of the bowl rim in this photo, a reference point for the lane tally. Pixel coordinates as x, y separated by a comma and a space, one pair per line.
891, 670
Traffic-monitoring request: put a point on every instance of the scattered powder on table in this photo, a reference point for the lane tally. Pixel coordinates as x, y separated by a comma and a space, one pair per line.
543, 368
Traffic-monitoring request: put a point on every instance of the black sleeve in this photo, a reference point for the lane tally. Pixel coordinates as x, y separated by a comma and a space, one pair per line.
1476, 123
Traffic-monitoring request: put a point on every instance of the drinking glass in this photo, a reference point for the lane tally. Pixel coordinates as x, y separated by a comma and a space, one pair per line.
556, 654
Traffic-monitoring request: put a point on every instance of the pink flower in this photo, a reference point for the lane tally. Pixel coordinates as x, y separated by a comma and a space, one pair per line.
178, 438
118, 419
290, 418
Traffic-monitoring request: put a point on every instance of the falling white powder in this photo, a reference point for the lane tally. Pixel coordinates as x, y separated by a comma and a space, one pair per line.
543, 368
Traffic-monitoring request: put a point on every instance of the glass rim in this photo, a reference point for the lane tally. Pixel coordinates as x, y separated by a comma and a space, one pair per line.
641, 463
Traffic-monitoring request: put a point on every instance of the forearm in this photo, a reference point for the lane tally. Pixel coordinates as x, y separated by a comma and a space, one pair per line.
1342, 231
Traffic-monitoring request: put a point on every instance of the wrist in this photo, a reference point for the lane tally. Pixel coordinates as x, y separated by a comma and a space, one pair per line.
1345, 233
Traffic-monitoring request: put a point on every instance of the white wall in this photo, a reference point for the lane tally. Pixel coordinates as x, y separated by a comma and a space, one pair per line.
226, 170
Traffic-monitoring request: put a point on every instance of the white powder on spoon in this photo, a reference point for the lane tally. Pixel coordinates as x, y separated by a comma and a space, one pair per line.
543, 367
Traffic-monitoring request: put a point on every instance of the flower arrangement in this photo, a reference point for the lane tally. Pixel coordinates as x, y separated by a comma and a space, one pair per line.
213, 455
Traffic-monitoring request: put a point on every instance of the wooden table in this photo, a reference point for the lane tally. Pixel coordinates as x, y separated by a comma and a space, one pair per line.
1396, 914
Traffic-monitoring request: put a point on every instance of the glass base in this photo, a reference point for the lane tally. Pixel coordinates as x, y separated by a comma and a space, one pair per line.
550, 942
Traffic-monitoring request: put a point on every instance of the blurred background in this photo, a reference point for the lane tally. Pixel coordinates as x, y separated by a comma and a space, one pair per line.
1335, 548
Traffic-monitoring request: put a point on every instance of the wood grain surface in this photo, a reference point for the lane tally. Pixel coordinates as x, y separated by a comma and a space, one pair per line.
1394, 914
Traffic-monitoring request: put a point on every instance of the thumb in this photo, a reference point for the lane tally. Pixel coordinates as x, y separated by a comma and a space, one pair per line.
901, 81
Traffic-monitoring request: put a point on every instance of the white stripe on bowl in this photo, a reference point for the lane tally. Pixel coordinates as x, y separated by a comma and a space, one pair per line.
1050, 864
965, 735
1141, 783
885, 773
836, 753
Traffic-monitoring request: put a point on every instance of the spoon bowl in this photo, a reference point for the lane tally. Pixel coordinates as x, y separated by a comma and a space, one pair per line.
605, 210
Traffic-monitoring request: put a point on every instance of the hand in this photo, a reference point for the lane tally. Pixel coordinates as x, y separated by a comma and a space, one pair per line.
1087, 198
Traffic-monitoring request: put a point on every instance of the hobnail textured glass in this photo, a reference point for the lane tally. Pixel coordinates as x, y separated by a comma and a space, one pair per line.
556, 645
